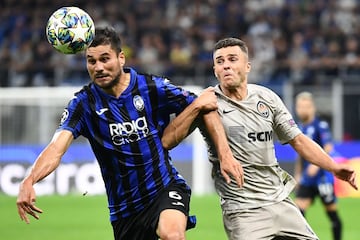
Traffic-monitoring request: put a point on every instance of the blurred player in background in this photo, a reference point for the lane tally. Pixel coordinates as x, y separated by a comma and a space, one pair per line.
262, 208
123, 115
314, 181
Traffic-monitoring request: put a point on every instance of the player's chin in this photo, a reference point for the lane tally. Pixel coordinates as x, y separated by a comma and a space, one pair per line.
102, 82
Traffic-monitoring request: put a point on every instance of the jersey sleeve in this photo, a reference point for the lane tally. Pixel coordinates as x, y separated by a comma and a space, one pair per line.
71, 118
285, 126
174, 99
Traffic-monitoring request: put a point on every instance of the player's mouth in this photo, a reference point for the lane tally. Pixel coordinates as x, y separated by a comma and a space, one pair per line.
101, 77
227, 75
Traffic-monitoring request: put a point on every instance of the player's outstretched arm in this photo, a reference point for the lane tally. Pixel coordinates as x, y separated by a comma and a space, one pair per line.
311, 151
179, 128
45, 164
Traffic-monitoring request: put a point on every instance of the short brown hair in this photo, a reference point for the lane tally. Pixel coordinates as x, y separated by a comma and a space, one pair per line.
229, 42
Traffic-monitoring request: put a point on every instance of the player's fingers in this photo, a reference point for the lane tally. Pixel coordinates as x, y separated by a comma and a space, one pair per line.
36, 209
238, 176
226, 176
352, 181
23, 210
22, 214
239, 182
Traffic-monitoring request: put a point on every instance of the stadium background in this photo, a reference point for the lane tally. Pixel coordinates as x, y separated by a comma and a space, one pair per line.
294, 46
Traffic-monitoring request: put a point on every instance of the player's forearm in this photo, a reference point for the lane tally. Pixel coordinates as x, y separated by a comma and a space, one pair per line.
312, 152
179, 127
216, 131
45, 164
49, 159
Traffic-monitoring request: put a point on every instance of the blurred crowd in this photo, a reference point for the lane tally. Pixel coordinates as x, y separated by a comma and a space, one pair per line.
307, 42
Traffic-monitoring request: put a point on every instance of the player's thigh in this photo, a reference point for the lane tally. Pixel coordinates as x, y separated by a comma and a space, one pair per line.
249, 224
304, 196
173, 210
290, 222
172, 222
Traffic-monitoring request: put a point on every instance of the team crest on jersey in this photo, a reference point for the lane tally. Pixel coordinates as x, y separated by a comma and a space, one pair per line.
263, 109
138, 103
64, 116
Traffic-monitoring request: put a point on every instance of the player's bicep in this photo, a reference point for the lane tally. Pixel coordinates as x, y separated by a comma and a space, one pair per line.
61, 141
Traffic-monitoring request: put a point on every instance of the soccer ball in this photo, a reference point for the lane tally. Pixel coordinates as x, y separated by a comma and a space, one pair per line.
70, 30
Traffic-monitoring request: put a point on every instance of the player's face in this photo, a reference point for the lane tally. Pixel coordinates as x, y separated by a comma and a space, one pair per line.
104, 65
305, 110
231, 66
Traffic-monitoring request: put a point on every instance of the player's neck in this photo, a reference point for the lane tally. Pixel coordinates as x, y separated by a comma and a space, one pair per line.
238, 94
124, 82
309, 120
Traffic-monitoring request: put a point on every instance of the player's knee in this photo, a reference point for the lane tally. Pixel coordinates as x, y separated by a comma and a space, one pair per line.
172, 235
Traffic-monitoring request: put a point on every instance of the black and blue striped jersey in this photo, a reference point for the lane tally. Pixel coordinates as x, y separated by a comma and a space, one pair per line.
319, 131
125, 135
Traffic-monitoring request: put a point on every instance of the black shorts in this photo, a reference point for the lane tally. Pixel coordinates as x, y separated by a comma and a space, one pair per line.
325, 191
143, 225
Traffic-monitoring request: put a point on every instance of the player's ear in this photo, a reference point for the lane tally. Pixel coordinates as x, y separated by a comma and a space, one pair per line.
215, 72
248, 67
121, 58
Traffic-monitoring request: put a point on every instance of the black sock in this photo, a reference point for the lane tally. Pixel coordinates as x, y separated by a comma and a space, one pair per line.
335, 224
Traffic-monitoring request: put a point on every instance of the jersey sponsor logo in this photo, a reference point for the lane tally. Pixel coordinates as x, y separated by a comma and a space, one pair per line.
263, 109
128, 132
265, 136
101, 111
138, 102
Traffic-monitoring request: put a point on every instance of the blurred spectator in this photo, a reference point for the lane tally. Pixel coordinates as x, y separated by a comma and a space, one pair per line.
351, 60
281, 63
298, 58
21, 64
330, 60
5, 60
42, 67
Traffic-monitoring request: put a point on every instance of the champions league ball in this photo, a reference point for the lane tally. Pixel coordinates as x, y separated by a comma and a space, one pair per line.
70, 30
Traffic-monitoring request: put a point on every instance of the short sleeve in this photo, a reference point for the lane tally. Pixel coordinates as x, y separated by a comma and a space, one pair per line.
284, 124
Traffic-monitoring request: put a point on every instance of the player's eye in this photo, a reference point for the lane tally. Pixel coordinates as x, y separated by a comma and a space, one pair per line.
219, 61
104, 59
233, 59
91, 61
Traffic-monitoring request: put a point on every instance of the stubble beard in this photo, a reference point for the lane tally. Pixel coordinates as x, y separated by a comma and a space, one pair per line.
113, 82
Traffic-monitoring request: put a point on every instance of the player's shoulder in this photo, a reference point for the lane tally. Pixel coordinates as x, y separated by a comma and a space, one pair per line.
85, 91
322, 123
262, 92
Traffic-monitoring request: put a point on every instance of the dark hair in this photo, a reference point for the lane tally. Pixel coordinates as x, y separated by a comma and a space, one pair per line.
229, 42
107, 35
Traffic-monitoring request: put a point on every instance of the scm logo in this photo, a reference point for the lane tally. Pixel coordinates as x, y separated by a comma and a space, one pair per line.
260, 136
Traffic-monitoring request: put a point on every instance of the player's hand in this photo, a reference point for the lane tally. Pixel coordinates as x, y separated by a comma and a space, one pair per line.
346, 173
229, 166
26, 202
207, 100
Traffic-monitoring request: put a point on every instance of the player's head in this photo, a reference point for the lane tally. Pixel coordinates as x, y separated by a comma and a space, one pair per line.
104, 58
231, 62
305, 107
105, 36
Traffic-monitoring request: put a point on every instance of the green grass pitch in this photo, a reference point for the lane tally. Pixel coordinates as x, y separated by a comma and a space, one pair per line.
74, 217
